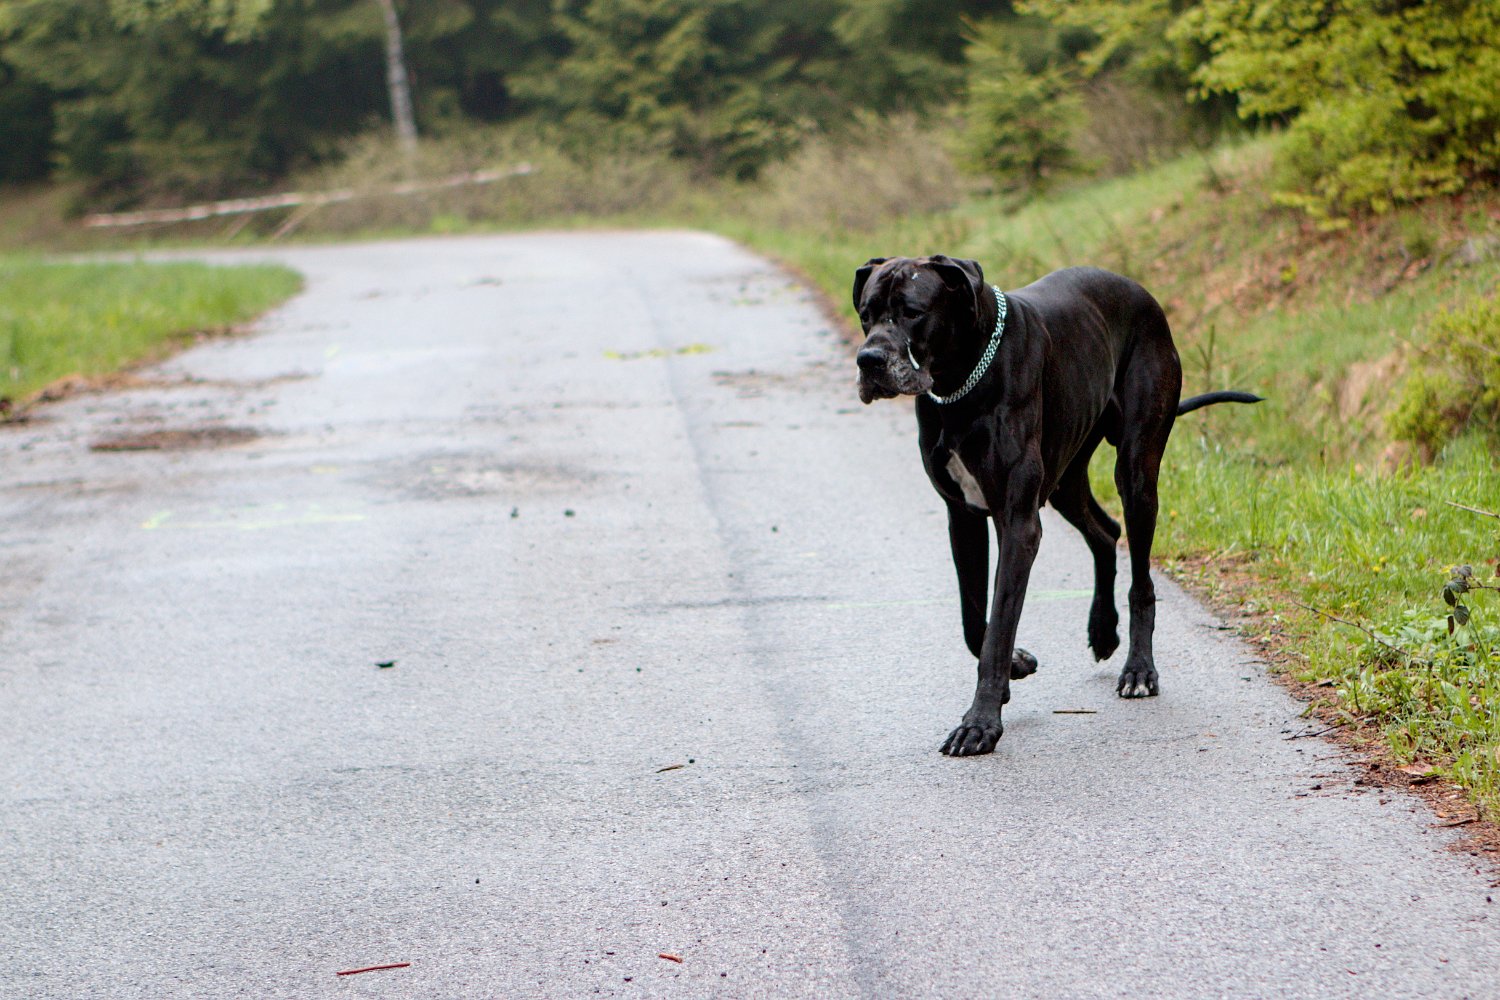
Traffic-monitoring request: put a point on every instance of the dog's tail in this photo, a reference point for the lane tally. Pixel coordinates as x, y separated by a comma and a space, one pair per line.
1210, 398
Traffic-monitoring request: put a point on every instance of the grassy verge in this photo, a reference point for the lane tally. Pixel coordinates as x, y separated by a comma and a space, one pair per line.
1301, 502
59, 320
1341, 573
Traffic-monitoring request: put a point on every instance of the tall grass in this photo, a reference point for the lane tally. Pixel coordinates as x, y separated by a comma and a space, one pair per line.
62, 319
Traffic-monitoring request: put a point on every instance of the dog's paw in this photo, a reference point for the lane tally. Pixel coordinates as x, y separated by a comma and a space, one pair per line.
972, 739
1104, 632
1022, 664
1137, 682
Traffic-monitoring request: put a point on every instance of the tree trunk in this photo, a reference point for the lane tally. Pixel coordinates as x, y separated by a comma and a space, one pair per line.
395, 75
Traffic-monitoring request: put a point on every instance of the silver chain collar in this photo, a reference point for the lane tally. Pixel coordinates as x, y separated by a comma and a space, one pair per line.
984, 361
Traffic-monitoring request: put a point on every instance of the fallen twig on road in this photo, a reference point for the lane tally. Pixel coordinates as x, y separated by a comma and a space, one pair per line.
372, 968
1306, 734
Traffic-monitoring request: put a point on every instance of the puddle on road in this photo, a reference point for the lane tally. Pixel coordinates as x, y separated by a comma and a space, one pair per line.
177, 439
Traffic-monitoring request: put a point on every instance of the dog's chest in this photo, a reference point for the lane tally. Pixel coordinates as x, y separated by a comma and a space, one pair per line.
961, 475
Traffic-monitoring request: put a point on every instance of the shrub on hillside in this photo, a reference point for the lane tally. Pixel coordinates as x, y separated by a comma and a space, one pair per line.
1021, 120
1389, 101
1455, 384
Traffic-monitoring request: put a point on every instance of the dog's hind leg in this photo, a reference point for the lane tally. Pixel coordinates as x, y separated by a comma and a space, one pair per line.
1146, 423
1074, 500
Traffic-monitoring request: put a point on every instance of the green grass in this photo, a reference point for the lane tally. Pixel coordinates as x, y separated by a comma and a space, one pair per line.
65, 319
1371, 550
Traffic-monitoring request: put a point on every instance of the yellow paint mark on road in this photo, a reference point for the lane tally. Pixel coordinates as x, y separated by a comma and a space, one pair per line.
658, 352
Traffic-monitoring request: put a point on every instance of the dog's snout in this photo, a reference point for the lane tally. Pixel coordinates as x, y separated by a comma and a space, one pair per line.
870, 359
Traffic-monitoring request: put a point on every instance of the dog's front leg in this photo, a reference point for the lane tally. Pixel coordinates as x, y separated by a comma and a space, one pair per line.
1020, 536
969, 539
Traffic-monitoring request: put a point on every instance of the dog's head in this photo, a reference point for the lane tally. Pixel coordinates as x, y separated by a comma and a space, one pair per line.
912, 309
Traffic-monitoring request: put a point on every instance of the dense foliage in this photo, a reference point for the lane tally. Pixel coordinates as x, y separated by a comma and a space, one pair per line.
183, 95
1385, 100
1021, 119
194, 94
1393, 100
721, 83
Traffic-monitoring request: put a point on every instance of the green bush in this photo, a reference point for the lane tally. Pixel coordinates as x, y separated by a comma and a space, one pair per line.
1020, 120
1390, 101
1435, 688
1454, 385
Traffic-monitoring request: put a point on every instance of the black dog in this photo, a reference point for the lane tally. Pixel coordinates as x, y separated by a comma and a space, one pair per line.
1014, 392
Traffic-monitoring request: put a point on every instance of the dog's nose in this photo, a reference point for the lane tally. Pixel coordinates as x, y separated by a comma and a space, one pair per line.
870, 358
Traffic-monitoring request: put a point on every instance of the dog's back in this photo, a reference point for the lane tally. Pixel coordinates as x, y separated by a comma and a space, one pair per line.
1105, 348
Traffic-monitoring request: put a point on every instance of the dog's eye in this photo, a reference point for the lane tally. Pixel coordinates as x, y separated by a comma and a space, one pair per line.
909, 311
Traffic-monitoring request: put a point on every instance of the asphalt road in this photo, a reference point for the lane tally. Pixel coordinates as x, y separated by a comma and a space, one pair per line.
609, 504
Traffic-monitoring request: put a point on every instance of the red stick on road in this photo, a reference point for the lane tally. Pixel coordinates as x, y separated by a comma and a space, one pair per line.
373, 968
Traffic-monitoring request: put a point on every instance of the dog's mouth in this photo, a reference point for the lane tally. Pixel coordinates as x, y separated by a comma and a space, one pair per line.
897, 376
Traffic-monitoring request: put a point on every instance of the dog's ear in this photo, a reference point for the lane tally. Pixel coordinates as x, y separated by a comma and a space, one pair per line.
959, 274
862, 275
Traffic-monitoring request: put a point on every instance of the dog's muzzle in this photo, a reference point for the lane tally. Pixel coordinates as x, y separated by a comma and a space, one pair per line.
883, 373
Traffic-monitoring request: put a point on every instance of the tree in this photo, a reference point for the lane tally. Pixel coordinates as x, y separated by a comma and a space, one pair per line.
1020, 120
26, 126
714, 82
237, 19
1393, 100
1134, 43
164, 97
907, 54
396, 79
1124, 33
199, 97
